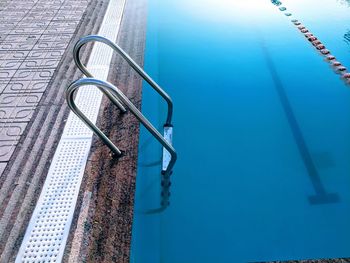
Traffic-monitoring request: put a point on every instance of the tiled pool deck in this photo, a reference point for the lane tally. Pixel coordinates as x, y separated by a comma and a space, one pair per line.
36, 65
36, 40
34, 37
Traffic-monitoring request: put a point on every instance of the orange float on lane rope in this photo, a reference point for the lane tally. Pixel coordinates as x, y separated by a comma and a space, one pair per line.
346, 75
330, 57
319, 46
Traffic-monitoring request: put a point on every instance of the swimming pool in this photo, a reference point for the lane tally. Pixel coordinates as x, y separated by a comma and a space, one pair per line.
261, 128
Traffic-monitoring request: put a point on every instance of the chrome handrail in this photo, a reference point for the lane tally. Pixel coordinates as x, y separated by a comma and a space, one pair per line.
108, 87
90, 124
129, 60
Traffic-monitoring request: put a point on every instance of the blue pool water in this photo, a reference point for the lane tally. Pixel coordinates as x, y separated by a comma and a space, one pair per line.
261, 128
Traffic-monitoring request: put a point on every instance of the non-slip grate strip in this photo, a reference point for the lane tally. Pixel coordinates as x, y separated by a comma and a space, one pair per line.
49, 226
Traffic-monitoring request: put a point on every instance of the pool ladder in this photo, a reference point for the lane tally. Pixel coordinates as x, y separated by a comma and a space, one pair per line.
123, 103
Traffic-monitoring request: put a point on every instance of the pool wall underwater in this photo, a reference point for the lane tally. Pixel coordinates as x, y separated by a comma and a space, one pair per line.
261, 128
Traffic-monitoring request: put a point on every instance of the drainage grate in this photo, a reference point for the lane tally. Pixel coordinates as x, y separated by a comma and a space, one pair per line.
48, 229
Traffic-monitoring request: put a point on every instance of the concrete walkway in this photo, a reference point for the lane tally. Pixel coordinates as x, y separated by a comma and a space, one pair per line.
36, 39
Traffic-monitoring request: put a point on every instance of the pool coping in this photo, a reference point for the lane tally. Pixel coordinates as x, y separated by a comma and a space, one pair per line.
101, 230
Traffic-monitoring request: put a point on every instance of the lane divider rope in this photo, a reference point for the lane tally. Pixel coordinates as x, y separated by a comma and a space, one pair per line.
318, 45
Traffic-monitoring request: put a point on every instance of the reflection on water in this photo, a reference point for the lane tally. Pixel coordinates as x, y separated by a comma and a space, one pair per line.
344, 2
347, 34
347, 37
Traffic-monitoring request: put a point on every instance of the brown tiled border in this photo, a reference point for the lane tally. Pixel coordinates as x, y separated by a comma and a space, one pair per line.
103, 219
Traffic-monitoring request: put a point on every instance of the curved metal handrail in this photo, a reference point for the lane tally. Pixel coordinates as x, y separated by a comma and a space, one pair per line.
104, 87
130, 61
90, 124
